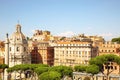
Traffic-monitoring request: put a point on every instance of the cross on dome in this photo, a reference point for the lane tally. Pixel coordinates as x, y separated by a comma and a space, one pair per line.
18, 28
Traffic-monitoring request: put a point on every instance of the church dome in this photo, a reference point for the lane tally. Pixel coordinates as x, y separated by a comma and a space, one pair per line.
18, 36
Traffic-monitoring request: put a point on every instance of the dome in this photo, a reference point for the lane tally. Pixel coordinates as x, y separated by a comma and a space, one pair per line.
18, 36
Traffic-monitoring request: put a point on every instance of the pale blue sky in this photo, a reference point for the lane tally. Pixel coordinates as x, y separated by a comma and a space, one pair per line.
91, 17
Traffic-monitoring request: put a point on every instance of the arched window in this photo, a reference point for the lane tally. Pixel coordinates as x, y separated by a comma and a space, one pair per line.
24, 48
102, 51
17, 49
80, 78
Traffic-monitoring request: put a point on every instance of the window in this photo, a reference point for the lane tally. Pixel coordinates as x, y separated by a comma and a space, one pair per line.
35, 39
24, 48
106, 67
79, 53
105, 50
74, 77
66, 52
10, 48
113, 51
102, 51
70, 52
115, 67
63, 52
111, 67
17, 38
18, 49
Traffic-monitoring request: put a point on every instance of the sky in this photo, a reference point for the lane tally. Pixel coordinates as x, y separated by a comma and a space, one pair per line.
61, 17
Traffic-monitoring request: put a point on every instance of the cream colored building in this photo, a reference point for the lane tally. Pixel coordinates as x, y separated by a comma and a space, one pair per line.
40, 35
97, 40
110, 48
114, 69
73, 53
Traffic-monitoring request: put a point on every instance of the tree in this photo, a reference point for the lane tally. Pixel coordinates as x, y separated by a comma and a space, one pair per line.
25, 68
116, 40
63, 70
93, 69
50, 75
80, 68
62, 38
32, 68
104, 60
40, 70
3, 66
18, 68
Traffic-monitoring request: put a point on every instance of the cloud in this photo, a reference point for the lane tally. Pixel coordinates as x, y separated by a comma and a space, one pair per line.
67, 34
89, 28
33, 31
106, 34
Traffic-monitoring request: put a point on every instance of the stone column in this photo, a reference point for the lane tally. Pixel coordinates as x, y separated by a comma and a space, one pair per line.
6, 57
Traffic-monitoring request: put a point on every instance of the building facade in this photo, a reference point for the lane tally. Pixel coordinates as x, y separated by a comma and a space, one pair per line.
40, 35
110, 48
99, 76
41, 52
16, 52
73, 53
18, 48
2, 52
